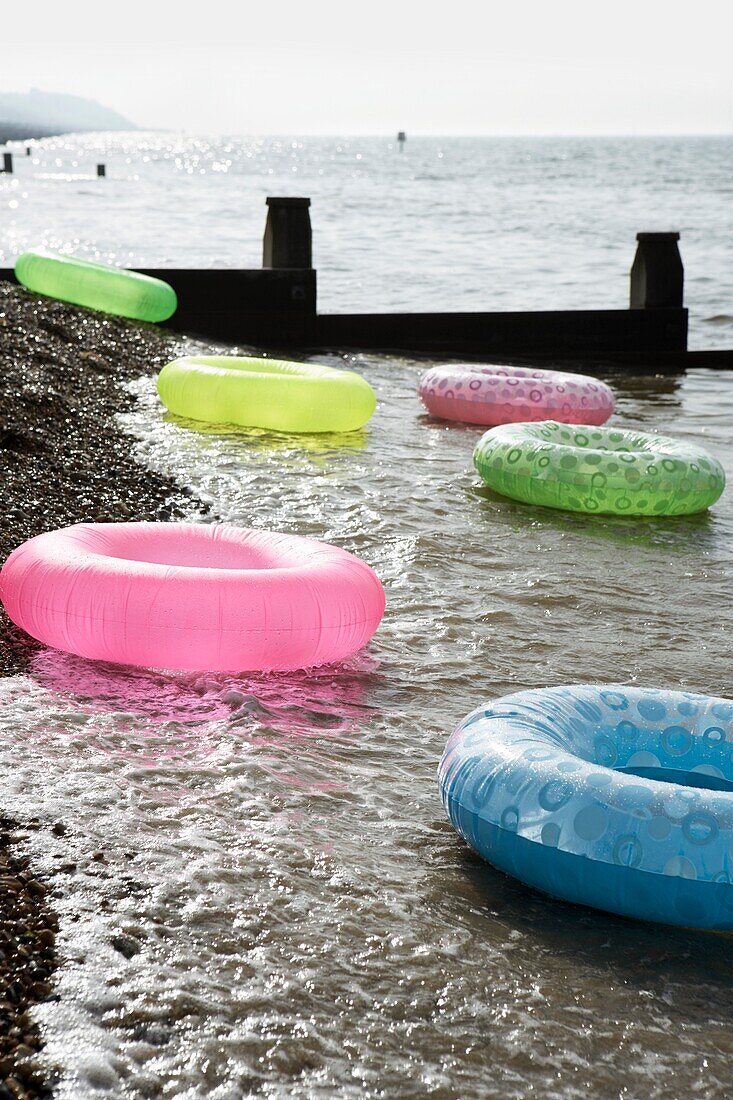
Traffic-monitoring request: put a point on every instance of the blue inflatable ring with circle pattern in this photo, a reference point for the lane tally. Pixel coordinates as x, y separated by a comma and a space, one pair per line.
614, 797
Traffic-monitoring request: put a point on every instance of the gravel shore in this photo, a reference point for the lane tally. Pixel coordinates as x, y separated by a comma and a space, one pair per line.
62, 459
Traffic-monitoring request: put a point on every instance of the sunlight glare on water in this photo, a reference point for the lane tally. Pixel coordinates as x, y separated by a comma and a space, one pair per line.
448, 224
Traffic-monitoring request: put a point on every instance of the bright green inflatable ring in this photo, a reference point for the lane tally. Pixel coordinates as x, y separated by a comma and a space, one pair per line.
588, 469
266, 393
96, 286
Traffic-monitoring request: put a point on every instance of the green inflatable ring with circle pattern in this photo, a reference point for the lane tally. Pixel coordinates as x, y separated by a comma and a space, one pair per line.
598, 470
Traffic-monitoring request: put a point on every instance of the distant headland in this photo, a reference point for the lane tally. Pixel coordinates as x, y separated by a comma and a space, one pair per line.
37, 114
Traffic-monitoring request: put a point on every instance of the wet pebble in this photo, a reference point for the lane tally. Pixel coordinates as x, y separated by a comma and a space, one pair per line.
27, 963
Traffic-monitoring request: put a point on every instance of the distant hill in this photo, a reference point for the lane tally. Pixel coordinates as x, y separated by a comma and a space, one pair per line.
37, 114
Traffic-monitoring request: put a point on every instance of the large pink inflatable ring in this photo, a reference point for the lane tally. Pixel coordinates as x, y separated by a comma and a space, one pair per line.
477, 394
192, 596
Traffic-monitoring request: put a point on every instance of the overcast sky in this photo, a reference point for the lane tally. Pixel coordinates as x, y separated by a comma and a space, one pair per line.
375, 66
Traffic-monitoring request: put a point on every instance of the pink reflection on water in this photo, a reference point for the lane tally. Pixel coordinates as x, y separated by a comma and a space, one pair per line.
318, 700
182, 728
96, 687
153, 721
314, 701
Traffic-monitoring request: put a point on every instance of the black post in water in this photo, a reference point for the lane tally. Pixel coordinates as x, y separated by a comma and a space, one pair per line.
657, 274
101, 170
288, 240
401, 139
28, 150
7, 162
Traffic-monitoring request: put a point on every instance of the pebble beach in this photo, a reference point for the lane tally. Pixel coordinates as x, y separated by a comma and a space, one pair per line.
63, 459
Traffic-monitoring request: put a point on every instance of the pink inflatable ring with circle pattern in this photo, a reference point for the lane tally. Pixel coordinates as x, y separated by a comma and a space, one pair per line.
477, 394
192, 596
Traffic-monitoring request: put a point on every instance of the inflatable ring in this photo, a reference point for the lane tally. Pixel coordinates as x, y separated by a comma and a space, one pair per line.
614, 797
490, 395
589, 469
192, 596
96, 286
266, 393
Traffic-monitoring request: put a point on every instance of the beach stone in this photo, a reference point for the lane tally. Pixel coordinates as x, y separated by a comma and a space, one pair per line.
126, 945
27, 962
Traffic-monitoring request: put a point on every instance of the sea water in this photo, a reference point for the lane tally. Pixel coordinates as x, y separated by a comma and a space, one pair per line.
447, 224
259, 893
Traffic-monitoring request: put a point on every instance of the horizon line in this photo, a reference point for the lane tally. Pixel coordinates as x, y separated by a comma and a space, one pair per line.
414, 134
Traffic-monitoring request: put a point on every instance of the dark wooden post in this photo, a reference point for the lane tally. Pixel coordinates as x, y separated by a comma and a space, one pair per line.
101, 170
28, 150
288, 240
7, 163
657, 274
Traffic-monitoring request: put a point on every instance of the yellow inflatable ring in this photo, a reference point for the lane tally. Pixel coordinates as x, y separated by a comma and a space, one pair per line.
266, 393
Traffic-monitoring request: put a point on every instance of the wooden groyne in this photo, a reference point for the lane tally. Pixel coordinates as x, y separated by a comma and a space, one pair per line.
275, 308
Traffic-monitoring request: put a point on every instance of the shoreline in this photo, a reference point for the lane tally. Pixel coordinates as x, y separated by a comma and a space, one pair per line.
63, 459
